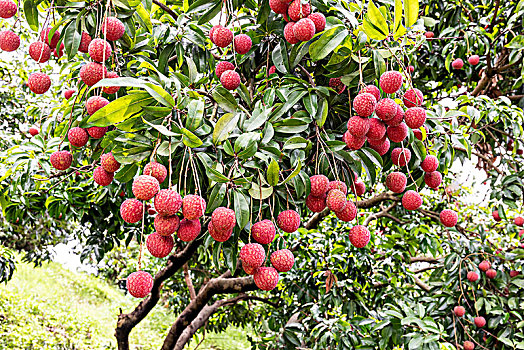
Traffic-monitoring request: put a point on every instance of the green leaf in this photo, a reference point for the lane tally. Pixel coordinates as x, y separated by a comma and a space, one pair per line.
241, 207
120, 109
31, 14
294, 173
397, 15
291, 100
71, 40
126, 173
215, 175
322, 112
224, 126
379, 63
225, 100
516, 43
258, 119
272, 173
328, 42
195, 114
410, 12
280, 58
260, 194
189, 139
376, 20
216, 197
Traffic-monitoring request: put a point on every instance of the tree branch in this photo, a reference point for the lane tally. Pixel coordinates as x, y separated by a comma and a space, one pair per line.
187, 277
166, 9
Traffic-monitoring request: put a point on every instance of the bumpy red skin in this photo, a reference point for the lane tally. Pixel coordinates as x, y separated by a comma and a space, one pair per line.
249, 270
316, 204
94, 103
44, 36
391, 81
397, 133
92, 72
188, 230
166, 225
319, 20
491, 274
222, 67
337, 85
282, 260
145, 187
97, 132
139, 284
252, 255
338, 185
77, 137
479, 321
415, 117
61, 160
193, 206
430, 164
289, 35
168, 202
411, 200
448, 217
433, 180
459, 311
297, 10
349, 213
266, 278
513, 273
131, 210
111, 89
102, 177
156, 170
223, 219
484, 266
272, 70
457, 64
358, 126
336, 200
69, 93
39, 83
319, 185
519, 221
242, 44
219, 236
496, 216
472, 276
84, 42
359, 236
386, 109
468, 345
359, 188
397, 119
33, 131
230, 79
474, 60
429, 35
364, 104
377, 130
8, 8
112, 29
373, 90
288, 221
396, 182
278, 6
400, 156
109, 162
263, 231
304, 29
158, 245
99, 50
382, 148
353, 142
39, 51
60, 51
212, 32
222, 36
413, 98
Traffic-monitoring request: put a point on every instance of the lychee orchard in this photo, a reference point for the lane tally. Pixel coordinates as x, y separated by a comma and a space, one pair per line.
336, 174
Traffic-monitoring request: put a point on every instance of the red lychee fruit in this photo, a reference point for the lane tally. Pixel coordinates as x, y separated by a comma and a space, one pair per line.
484, 266
336, 200
430, 164
319, 185
386, 109
60, 51
252, 254
263, 231
468, 345
102, 177
359, 188
496, 216
358, 126
418, 133
97, 132
304, 29
109, 163
391, 81
337, 185
373, 90
349, 213
44, 36
77, 137
249, 270
429, 35
396, 182
168, 202
519, 221
212, 32
39, 51
289, 34
69, 93
278, 6
188, 230
61, 160
33, 131
353, 142
459, 311
272, 70
474, 60
400, 156
145, 187
411, 69
157, 170
131, 210
282, 260
413, 98
457, 64
365, 104
266, 278
166, 225
472, 276
397, 133
111, 89
320, 21
288, 221
223, 219
99, 50
433, 180
8, 8
112, 29
139, 284
230, 79
159, 246
316, 204
92, 72
411, 200
84, 42
514, 273
521, 233
298, 10
222, 36
382, 148
491, 274
242, 44
219, 236
359, 236
448, 217
193, 206
397, 119
222, 67
415, 117
480, 321
337, 85
39, 83
376, 130
94, 103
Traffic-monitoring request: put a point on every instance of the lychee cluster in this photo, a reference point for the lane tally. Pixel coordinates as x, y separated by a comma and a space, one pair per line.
302, 24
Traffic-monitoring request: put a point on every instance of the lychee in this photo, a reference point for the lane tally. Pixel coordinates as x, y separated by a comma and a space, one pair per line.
242, 44
288, 221
94, 103
459, 311
84, 42
359, 236
252, 254
44, 36
397, 133
282, 260
39, 51
249, 270
319, 185
519, 221
484, 266
358, 126
396, 182
349, 213
337, 85
491, 274
230, 79
472, 276
513, 273
415, 117
457, 64
263, 231
102, 177
33, 131
69, 93
400, 156
112, 29
496, 215
373, 90
480, 321
193, 206
411, 200
272, 70
145, 187
222, 67
376, 130
77, 137
304, 29
397, 119
337, 185
97, 132
413, 98
353, 142
359, 188
158, 245
99, 50
167, 202
391, 81
60, 51
8, 8
92, 72
39, 83
109, 162
289, 34
386, 109
131, 210
468, 345
222, 36
166, 225
319, 20
365, 104
474, 60
448, 217
223, 219
157, 170
429, 35
433, 180
411, 69
212, 32
61, 160
139, 284
219, 236
188, 230
430, 164
382, 148
316, 204
336, 200
266, 278
278, 6
111, 89
298, 10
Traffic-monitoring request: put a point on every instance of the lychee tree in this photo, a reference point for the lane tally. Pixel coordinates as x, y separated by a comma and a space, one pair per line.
224, 137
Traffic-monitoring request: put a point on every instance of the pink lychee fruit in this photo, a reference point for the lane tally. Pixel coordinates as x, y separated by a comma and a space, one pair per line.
266, 278
298, 10
168, 202
166, 225
109, 163
188, 230
349, 213
158, 245
337, 85
472, 276
415, 117
223, 219
479, 321
97, 132
8, 8
397, 133
413, 98
263, 231
320, 21
484, 266
459, 311
358, 126
139, 284
373, 90
61, 160
39, 83
77, 137
359, 236
365, 104
288, 221
289, 34
278, 6
69, 93
316, 204
411, 200
85, 40
193, 206
336, 200
391, 81
131, 210
319, 185
433, 180
457, 64
111, 89
386, 109
304, 29
382, 148
145, 187
94, 103
282, 260
230, 79
92, 72
376, 130
353, 142
219, 236
396, 182
242, 44
99, 50
430, 164
157, 170
112, 29
252, 254
39, 51
400, 156
448, 217
222, 36
474, 60
44, 36
223, 66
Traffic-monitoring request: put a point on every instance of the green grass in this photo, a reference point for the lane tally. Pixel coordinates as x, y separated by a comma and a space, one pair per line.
53, 308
